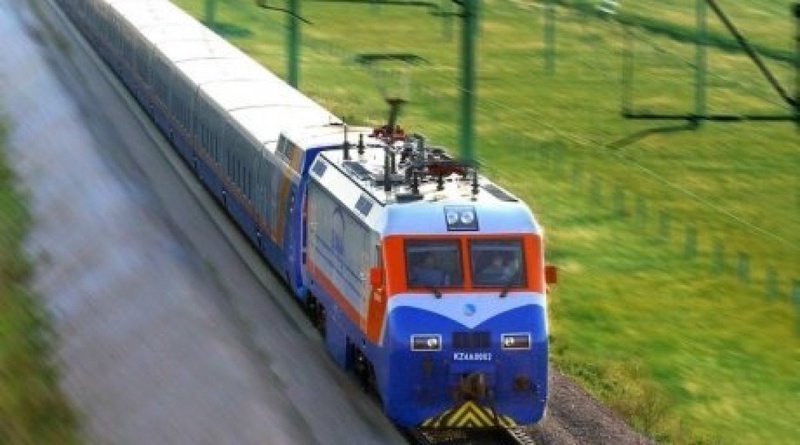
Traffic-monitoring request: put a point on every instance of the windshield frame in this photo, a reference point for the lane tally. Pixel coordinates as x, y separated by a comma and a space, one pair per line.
444, 267
497, 262
459, 261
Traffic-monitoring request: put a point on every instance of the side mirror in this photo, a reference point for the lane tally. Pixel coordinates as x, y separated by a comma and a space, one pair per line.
550, 274
375, 276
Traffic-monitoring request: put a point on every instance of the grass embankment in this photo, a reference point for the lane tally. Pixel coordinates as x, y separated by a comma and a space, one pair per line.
678, 245
32, 408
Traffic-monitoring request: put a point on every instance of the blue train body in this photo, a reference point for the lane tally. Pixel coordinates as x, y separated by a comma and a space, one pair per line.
347, 216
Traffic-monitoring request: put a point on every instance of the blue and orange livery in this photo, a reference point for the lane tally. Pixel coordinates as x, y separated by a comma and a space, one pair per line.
424, 277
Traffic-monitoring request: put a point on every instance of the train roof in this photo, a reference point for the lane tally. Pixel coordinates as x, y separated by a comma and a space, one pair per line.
424, 183
326, 135
439, 176
238, 94
394, 171
265, 124
257, 100
197, 49
143, 14
202, 71
264, 108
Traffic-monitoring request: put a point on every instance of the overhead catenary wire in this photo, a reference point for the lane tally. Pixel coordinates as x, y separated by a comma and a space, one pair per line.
581, 140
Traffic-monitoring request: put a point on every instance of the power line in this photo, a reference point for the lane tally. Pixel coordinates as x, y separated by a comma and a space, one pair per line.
586, 142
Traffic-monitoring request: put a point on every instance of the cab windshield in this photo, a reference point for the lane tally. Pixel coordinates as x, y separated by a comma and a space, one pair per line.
433, 264
497, 262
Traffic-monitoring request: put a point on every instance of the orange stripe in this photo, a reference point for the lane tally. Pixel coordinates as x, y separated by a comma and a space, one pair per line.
338, 297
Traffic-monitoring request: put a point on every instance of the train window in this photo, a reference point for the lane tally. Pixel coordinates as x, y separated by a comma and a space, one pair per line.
214, 146
433, 263
497, 262
235, 168
282, 143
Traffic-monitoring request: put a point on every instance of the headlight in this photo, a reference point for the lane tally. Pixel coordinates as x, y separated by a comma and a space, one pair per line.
516, 341
426, 342
452, 218
460, 218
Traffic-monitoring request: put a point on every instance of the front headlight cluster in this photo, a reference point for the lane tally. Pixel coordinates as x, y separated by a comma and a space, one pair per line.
426, 342
460, 218
433, 342
516, 341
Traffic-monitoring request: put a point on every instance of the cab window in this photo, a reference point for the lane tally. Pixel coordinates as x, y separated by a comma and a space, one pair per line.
497, 263
433, 263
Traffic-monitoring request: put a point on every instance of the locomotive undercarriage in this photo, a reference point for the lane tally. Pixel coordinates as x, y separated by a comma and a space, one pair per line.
316, 312
357, 361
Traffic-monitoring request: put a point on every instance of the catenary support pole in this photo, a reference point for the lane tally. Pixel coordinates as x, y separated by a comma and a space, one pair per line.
469, 31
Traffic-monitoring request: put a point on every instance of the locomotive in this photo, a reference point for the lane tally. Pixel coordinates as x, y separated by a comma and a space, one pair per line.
425, 278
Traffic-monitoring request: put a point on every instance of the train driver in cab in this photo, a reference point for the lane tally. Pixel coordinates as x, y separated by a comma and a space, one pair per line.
428, 273
500, 270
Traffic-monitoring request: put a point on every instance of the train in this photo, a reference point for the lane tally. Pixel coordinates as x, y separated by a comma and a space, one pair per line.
426, 279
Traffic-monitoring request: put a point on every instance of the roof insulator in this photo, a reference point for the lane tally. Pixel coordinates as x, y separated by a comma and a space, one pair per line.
387, 179
346, 145
474, 182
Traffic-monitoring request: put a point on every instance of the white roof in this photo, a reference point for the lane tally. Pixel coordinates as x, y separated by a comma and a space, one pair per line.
204, 71
257, 99
266, 123
197, 48
147, 13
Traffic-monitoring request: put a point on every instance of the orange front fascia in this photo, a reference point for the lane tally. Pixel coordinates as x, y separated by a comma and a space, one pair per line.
376, 315
395, 261
534, 258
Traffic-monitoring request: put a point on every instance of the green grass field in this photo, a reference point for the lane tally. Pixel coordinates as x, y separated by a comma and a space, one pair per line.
32, 408
679, 247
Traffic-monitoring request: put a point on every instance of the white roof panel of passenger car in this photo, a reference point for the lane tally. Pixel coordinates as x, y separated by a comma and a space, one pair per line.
266, 123
254, 96
176, 32
205, 71
238, 94
144, 14
328, 135
202, 48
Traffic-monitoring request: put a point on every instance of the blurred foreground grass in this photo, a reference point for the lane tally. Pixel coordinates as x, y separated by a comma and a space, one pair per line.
33, 410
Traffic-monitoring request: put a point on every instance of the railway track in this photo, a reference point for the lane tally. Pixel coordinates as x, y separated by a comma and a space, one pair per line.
493, 436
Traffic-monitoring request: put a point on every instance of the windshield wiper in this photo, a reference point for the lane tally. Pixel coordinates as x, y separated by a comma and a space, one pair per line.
436, 292
509, 284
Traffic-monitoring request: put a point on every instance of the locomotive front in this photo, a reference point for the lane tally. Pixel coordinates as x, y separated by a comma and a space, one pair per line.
429, 280
466, 336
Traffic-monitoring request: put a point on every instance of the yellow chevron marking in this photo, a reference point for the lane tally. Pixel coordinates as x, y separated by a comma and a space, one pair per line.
468, 415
